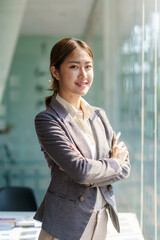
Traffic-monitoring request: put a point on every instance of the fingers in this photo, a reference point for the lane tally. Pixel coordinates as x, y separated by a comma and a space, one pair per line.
61, 169
75, 149
118, 135
121, 144
115, 139
119, 150
122, 147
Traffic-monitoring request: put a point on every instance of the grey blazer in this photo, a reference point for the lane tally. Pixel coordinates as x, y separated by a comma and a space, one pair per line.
69, 203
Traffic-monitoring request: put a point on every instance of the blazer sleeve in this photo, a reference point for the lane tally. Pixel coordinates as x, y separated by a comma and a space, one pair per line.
56, 143
126, 167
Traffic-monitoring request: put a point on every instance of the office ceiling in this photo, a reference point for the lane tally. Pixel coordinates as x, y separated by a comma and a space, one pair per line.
56, 17
72, 17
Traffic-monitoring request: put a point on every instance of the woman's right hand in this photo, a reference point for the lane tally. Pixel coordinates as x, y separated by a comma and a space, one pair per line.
119, 150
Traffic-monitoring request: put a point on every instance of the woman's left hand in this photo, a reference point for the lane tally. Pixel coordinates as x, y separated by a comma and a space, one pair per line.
119, 150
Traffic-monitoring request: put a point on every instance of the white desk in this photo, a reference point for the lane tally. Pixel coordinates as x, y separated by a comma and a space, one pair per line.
130, 229
18, 226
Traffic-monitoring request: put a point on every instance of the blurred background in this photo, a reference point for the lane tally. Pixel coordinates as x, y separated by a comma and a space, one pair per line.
125, 38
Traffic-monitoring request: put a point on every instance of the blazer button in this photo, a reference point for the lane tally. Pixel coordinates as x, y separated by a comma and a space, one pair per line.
81, 198
110, 188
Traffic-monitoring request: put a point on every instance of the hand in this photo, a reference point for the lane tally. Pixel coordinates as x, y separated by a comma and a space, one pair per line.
119, 150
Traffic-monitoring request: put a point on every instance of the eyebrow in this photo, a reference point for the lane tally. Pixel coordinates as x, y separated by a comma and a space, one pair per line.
79, 62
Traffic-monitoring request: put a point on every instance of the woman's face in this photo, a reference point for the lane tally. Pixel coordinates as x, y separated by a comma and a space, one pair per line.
75, 75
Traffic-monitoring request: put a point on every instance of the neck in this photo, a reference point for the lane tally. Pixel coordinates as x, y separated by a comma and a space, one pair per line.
75, 101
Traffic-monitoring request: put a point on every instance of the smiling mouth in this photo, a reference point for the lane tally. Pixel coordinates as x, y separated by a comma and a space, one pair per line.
81, 84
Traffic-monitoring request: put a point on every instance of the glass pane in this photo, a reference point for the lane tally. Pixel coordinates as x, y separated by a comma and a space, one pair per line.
122, 99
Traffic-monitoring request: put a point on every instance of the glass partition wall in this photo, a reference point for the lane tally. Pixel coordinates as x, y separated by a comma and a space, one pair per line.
125, 38
130, 94
131, 98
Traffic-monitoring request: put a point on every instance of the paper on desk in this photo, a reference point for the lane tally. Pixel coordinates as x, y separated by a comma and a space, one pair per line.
7, 223
18, 221
20, 234
28, 223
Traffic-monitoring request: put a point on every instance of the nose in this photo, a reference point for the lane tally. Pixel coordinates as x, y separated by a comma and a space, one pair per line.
83, 73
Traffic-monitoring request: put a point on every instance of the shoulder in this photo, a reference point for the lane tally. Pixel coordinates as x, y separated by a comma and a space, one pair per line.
46, 115
47, 122
55, 110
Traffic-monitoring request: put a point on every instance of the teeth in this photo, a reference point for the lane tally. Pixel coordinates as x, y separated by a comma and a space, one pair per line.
80, 84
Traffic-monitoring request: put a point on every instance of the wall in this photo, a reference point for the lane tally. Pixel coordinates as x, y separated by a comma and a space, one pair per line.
21, 159
130, 33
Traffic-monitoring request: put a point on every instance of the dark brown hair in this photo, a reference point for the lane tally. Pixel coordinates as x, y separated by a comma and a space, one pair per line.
59, 52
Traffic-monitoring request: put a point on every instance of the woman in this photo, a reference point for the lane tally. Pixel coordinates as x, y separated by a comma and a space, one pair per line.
81, 150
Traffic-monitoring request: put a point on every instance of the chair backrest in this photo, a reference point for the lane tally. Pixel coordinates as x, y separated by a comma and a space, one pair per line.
17, 199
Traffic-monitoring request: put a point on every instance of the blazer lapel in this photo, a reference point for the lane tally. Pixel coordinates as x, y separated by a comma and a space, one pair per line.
99, 132
77, 136
72, 127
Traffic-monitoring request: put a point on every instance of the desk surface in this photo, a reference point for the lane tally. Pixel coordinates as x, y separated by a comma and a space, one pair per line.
28, 229
18, 226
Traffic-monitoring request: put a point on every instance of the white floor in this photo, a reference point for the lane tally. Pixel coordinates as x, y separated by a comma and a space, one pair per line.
130, 229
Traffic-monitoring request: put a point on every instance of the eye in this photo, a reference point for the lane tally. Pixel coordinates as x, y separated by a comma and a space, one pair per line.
74, 66
89, 66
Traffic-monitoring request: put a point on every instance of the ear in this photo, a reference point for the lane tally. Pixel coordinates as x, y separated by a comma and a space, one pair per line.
55, 72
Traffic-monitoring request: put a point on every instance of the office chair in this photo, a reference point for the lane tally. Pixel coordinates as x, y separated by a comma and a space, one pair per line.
17, 199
